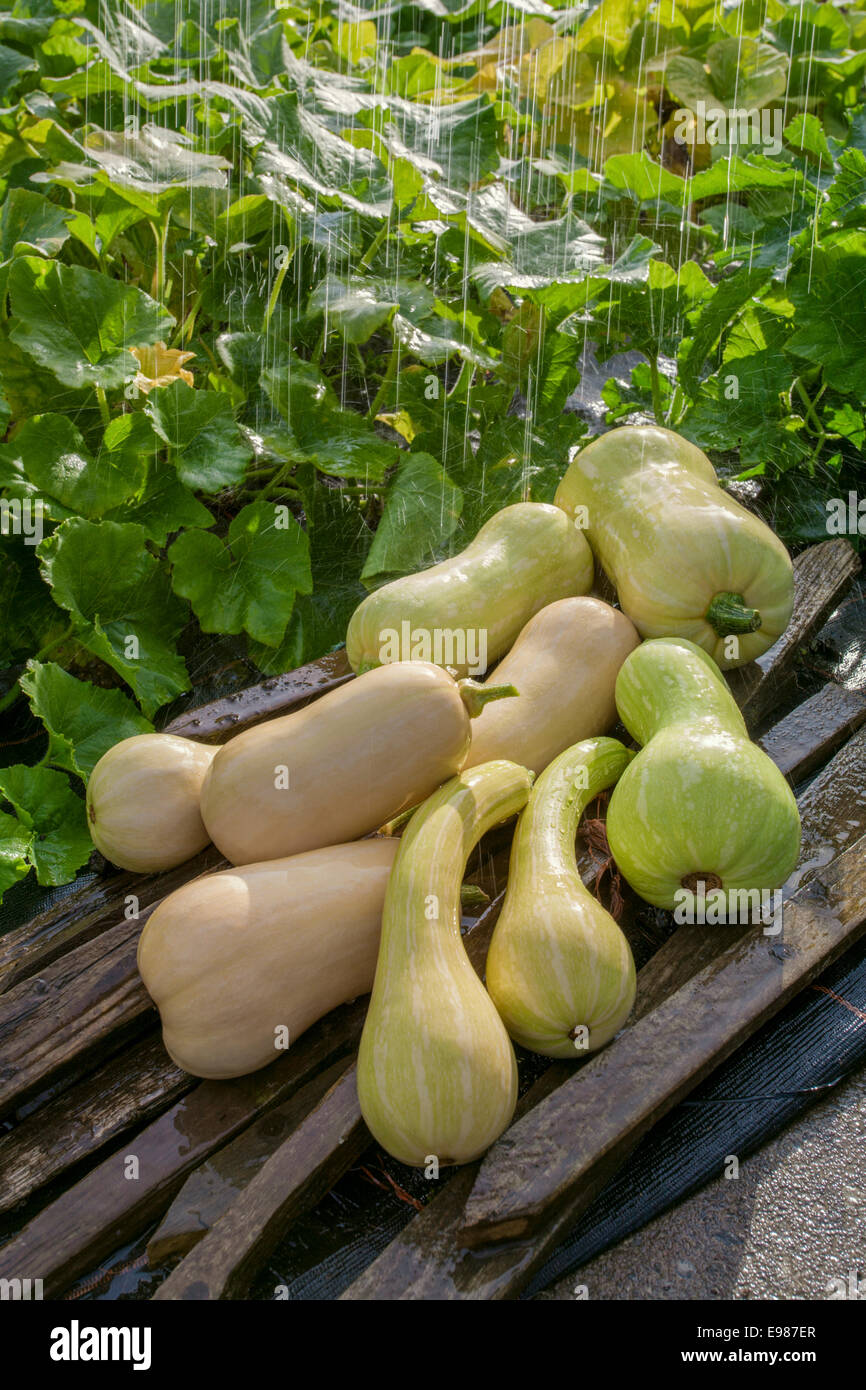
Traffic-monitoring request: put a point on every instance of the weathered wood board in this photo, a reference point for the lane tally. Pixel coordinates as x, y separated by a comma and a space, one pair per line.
303, 1168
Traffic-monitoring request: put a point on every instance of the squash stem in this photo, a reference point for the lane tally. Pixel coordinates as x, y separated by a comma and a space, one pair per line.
475, 696
728, 614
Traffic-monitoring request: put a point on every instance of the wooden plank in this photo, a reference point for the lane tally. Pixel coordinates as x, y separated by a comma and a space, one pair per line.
28, 949
822, 575
292, 1180
106, 1208
222, 719
68, 1014
427, 1261
127, 1091
209, 1191
807, 737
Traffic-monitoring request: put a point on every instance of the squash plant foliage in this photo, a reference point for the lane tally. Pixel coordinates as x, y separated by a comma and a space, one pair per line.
293, 297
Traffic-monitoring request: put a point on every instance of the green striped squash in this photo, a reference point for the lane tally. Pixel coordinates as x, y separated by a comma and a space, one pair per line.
437, 1076
559, 970
700, 802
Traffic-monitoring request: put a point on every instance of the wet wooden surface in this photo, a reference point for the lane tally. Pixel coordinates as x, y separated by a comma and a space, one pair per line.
811, 733
66, 1015
223, 718
302, 1170
106, 1208
128, 1090
822, 576
210, 1190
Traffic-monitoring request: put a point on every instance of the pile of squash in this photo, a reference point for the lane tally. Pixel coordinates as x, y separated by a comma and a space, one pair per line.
320, 908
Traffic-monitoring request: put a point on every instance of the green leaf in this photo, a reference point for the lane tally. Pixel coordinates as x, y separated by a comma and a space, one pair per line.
339, 543
30, 619
199, 427
713, 316
79, 324
806, 133
147, 163
47, 806
29, 222
165, 506
339, 442
641, 176
51, 452
827, 293
359, 305
551, 253
15, 843
13, 67
121, 604
83, 720
422, 508
249, 583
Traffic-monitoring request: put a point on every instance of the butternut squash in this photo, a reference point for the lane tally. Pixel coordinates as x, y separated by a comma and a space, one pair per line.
466, 612
565, 664
143, 802
687, 560
344, 765
240, 963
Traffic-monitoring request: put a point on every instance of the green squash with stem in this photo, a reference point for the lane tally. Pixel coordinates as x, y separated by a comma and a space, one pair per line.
701, 803
687, 560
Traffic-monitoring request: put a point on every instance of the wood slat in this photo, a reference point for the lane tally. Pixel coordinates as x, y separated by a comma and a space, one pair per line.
128, 1090
209, 1191
822, 575
65, 1016
292, 1180
807, 737
223, 718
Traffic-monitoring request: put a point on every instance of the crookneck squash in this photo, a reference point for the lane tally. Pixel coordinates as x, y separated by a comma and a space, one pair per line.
437, 1076
465, 612
559, 969
687, 560
701, 803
